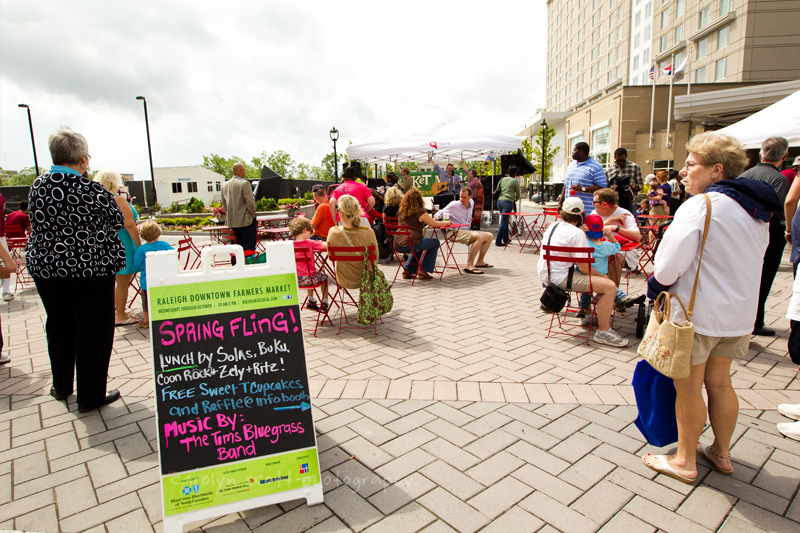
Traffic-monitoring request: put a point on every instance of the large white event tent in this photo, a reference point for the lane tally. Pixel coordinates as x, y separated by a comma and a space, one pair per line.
781, 119
450, 136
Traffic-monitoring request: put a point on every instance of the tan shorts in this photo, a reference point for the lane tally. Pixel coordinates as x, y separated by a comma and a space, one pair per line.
463, 236
704, 347
580, 282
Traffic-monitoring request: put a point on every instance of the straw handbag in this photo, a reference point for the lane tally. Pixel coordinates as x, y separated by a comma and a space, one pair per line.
667, 346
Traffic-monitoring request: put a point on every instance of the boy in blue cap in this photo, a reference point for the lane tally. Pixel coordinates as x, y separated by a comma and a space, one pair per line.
603, 248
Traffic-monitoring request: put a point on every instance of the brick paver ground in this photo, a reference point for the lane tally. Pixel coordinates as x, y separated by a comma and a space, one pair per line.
458, 416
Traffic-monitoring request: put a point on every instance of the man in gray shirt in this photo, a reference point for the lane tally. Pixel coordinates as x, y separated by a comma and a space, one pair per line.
240, 208
773, 151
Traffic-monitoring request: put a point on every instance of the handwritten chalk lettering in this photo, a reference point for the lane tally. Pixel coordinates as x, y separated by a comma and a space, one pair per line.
226, 404
233, 371
224, 421
198, 441
221, 439
254, 387
175, 429
272, 324
271, 433
199, 373
168, 361
172, 333
266, 368
170, 394
270, 399
188, 410
236, 452
166, 379
207, 390
237, 355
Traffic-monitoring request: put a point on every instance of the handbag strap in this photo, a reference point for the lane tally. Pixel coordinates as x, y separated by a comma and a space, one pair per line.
700, 261
550, 238
347, 238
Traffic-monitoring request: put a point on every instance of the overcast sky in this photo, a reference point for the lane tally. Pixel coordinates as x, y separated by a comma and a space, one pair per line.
242, 77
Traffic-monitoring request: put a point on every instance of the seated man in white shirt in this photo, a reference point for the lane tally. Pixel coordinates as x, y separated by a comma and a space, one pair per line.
623, 222
478, 242
567, 233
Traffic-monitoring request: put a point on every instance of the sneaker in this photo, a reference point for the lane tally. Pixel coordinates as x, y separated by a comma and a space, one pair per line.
629, 301
4, 358
585, 321
610, 338
324, 307
580, 314
790, 410
7, 296
313, 306
790, 429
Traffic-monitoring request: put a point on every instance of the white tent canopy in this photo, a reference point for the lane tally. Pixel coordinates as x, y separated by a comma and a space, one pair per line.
450, 136
781, 119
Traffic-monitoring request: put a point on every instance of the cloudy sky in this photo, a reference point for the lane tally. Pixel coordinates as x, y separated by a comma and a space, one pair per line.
242, 77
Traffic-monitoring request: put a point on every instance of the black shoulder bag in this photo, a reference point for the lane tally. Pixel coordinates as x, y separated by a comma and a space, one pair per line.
554, 298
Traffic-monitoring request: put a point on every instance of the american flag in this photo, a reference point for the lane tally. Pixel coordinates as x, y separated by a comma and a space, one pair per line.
652, 73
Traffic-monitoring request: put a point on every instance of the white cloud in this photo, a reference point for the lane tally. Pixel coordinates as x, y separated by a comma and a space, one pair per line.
243, 77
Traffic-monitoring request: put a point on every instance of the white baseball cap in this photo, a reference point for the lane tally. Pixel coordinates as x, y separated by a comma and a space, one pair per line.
796, 161
573, 205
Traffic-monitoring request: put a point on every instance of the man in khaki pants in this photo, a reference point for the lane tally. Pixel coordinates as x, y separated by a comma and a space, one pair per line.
240, 208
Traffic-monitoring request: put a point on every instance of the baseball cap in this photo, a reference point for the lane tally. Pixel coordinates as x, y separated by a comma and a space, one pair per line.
595, 225
573, 205
796, 161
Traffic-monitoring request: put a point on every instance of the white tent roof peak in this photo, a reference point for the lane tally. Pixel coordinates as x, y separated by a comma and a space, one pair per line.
781, 119
448, 135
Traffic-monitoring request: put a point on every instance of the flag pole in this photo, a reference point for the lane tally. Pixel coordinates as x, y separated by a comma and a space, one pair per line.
669, 101
652, 99
689, 73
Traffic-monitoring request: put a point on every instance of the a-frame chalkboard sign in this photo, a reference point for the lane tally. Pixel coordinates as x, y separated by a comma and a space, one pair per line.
233, 409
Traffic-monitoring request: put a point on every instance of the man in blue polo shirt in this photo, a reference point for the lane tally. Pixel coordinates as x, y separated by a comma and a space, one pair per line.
584, 176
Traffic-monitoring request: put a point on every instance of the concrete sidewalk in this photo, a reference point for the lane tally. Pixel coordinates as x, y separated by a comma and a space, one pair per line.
458, 416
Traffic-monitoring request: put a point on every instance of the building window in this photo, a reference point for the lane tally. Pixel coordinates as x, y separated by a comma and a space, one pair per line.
648, 10
601, 145
700, 75
191, 186
210, 186
725, 6
702, 48
664, 42
637, 19
619, 33
619, 71
661, 66
664, 18
679, 33
679, 7
636, 41
722, 38
177, 187
219, 186
702, 18
635, 62
721, 67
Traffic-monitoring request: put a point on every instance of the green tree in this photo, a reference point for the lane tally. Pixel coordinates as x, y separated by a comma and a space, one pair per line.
224, 166
534, 152
281, 162
24, 177
327, 166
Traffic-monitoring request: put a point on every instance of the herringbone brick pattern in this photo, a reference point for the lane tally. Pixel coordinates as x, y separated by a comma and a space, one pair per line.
458, 416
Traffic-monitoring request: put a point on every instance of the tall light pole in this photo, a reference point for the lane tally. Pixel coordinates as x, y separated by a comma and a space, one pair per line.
544, 158
30, 123
149, 153
335, 137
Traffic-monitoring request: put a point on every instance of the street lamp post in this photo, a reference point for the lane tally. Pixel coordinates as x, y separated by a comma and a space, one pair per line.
30, 123
149, 153
544, 159
335, 137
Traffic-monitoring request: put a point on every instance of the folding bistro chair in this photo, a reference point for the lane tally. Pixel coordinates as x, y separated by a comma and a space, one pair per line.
540, 225
137, 289
306, 256
394, 230
185, 250
562, 254
342, 296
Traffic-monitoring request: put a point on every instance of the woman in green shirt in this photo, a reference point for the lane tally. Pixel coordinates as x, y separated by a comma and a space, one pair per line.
507, 193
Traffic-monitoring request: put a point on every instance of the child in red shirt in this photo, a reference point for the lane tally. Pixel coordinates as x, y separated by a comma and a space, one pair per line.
307, 275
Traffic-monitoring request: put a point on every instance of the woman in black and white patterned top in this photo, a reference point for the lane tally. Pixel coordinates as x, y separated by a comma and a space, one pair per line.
72, 254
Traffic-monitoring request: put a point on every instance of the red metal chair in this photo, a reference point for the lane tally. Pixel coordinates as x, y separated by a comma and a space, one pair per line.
400, 230
342, 296
137, 289
563, 254
185, 250
306, 256
16, 247
540, 225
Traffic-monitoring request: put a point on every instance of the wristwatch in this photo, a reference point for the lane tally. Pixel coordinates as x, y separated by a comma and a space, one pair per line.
617, 228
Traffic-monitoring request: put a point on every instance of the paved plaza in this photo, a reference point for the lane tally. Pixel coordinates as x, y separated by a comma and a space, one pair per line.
458, 416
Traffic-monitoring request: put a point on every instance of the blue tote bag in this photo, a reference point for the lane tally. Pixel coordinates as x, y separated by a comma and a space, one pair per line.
655, 399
